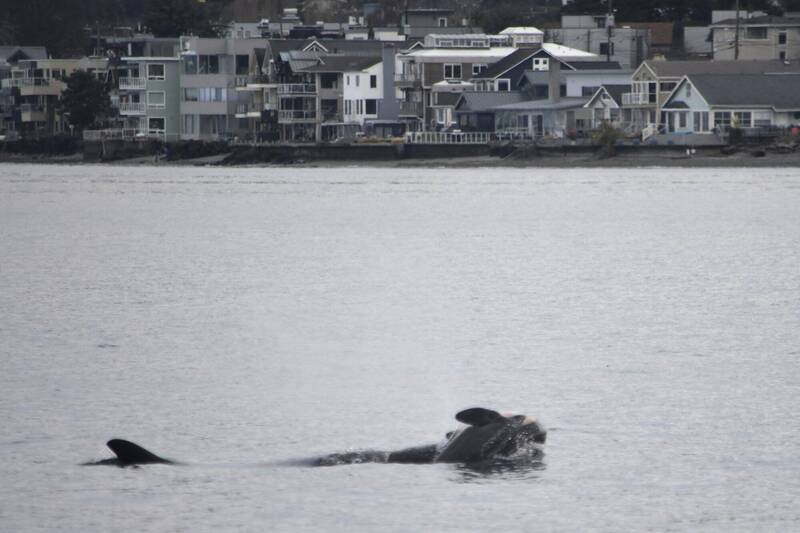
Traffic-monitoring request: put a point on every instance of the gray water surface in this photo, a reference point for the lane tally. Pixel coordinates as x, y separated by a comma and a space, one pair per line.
243, 319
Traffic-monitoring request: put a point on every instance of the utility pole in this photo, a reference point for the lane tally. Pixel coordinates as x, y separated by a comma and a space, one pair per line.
609, 18
736, 38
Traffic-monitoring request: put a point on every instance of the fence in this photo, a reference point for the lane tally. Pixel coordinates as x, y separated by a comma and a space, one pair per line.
434, 137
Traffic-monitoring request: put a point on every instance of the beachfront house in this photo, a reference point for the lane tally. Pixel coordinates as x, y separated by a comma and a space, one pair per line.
705, 103
653, 81
606, 106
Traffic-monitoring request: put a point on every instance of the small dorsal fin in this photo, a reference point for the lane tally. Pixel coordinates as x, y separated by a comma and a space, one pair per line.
129, 453
478, 416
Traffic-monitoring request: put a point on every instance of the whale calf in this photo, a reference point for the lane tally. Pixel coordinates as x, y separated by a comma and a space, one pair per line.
488, 436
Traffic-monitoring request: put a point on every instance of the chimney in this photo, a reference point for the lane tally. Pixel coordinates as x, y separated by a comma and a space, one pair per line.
554, 80
389, 108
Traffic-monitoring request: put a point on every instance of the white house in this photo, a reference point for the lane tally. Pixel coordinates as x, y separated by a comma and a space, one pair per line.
714, 103
362, 92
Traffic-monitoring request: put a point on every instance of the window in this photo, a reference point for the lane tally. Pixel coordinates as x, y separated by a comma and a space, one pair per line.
446, 43
358, 80
442, 22
190, 65
373, 82
208, 64
190, 95
682, 119
348, 80
371, 107
503, 85
700, 121
360, 107
477, 68
600, 22
761, 119
541, 64
156, 125
155, 71
452, 71
156, 99
242, 65
688, 90
755, 33
606, 49
743, 119
782, 37
782, 55
722, 119
188, 124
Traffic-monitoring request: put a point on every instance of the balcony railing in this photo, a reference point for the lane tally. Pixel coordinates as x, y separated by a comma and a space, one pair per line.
25, 82
241, 81
131, 108
30, 108
432, 137
297, 115
636, 99
295, 89
407, 78
136, 84
411, 109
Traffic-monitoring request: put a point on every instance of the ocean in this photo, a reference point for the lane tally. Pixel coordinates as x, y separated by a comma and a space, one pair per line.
242, 320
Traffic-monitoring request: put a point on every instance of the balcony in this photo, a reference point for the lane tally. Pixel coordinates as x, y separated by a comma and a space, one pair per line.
132, 108
32, 113
249, 110
297, 115
132, 84
411, 109
407, 80
9, 83
634, 99
297, 89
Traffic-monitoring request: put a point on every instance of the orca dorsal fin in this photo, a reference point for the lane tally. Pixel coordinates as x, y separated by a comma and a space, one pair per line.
478, 416
129, 453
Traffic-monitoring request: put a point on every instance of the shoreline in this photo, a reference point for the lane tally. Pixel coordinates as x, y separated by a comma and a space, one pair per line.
626, 160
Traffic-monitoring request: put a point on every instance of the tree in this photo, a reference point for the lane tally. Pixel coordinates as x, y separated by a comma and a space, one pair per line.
85, 100
173, 18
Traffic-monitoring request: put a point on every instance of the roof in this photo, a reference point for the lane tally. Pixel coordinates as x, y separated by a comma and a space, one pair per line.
508, 62
484, 101
544, 104
524, 30
595, 65
434, 54
446, 99
759, 21
565, 52
660, 32
781, 91
678, 69
22, 52
343, 64
616, 91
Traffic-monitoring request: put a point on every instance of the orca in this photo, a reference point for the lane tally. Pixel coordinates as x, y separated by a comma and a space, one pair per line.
130, 454
488, 436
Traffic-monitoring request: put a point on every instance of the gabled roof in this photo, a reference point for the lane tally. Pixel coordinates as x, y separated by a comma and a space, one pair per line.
484, 101
759, 21
779, 91
677, 69
613, 91
446, 99
343, 64
507, 63
17, 53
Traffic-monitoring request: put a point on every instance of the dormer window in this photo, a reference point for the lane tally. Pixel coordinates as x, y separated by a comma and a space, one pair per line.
442, 22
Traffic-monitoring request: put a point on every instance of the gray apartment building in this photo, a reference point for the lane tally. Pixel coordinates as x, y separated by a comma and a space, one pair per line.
211, 70
760, 38
148, 97
599, 35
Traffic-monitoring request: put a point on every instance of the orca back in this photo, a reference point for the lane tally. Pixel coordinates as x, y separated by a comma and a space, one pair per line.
129, 453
